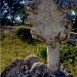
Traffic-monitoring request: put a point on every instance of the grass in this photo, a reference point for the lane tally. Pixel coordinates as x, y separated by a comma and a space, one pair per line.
11, 48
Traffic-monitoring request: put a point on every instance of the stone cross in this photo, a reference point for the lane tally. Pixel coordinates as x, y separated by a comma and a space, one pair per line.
50, 26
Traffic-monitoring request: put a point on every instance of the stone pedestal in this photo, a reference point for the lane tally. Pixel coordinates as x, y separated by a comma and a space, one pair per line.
53, 57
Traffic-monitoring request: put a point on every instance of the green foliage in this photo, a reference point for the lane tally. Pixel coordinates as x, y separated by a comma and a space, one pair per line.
2, 36
12, 48
68, 54
24, 34
42, 52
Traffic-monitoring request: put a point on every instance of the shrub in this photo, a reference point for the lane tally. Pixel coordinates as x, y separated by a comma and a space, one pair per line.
2, 36
24, 34
68, 54
42, 52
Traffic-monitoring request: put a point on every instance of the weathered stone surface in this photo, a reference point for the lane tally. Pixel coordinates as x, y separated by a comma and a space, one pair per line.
19, 69
38, 69
30, 60
13, 68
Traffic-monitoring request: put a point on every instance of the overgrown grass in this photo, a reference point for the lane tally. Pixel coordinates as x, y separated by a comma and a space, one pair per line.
12, 48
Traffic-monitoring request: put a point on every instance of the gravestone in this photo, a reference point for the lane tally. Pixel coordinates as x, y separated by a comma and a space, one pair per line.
52, 27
